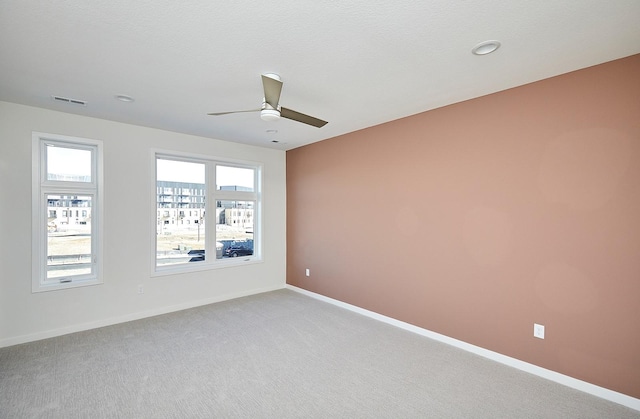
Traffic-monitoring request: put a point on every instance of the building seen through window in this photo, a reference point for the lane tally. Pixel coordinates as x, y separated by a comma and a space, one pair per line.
187, 224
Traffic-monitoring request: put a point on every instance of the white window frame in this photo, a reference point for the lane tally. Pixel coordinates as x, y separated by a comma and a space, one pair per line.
41, 187
212, 195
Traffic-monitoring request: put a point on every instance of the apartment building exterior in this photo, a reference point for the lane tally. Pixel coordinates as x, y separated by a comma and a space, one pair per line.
179, 204
182, 204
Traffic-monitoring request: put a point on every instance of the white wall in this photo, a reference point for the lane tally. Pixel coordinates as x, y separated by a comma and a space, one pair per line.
25, 316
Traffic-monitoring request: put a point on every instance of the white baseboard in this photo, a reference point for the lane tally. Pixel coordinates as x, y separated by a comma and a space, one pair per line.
583, 386
129, 317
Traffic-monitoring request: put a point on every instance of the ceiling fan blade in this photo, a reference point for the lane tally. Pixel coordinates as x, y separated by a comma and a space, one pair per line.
226, 113
272, 89
300, 117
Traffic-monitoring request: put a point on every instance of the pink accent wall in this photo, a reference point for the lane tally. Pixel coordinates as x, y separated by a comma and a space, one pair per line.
478, 219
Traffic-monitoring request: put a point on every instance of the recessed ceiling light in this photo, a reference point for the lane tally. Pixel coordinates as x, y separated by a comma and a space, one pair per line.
125, 98
486, 47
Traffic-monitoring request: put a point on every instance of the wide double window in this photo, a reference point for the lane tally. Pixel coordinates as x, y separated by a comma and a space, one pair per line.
207, 212
66, 209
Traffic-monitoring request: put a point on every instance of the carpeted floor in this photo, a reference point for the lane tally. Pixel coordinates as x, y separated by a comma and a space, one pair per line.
274, 355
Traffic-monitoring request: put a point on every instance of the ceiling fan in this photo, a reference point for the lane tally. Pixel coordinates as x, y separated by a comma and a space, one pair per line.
271, 109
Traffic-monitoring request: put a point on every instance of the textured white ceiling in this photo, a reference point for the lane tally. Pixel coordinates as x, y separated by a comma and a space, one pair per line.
355, 63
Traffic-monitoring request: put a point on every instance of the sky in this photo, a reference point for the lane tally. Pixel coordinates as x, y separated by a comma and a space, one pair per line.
70, 161
180, 171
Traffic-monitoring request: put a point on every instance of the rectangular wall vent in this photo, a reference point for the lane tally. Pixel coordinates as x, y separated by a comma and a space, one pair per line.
69, 100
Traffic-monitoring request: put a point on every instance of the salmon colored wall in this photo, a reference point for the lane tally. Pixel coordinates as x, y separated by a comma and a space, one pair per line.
478, 219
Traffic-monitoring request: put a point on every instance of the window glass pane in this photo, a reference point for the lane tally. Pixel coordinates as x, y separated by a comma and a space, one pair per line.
234, 179
68, 164
68, 235
180, 224
234, 227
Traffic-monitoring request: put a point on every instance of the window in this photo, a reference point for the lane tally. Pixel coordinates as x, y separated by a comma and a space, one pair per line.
67, 174
220, 226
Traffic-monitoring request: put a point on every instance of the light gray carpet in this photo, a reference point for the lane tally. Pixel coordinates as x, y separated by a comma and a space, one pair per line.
273, 355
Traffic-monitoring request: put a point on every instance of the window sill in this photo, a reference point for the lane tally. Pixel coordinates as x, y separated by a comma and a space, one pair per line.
56, 286
199, 266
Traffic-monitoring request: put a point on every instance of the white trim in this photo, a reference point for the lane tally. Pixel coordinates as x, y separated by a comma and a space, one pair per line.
199, 267
210, 162
130, 317
41, 186
574, 383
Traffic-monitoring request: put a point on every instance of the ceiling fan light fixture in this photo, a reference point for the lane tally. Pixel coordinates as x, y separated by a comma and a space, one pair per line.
269, 115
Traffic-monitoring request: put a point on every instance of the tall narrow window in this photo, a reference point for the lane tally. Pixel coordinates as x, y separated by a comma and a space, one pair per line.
66, 212
207, 212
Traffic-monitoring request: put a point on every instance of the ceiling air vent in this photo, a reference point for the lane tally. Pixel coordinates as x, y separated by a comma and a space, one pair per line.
69, 100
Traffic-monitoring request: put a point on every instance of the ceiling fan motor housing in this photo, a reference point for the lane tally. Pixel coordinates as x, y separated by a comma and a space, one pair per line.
270, 114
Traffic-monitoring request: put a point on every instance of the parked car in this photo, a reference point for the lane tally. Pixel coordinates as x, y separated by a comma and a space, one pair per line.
237, 250
196, 255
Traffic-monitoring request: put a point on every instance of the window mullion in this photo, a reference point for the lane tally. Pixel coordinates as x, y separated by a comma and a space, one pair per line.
210, 213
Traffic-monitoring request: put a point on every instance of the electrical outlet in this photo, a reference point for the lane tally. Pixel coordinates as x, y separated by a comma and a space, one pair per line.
140, 289
307, 272
538, 331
